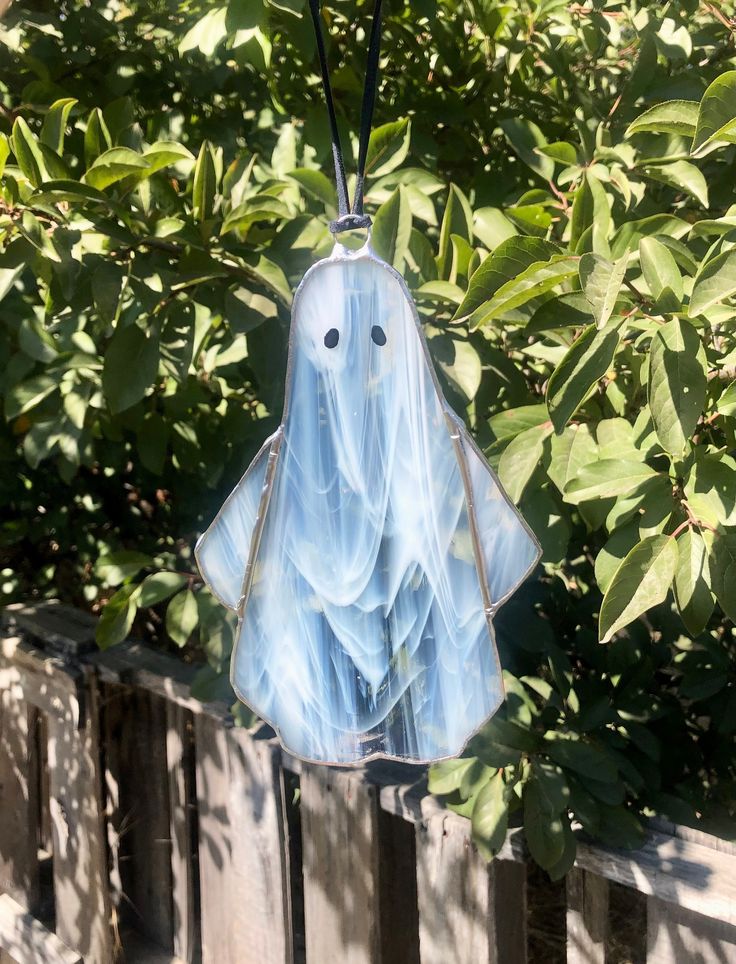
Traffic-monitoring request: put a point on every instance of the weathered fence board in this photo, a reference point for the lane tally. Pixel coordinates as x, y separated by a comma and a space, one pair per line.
27, 941
244, 909
180, 763
18, 793
69, 699
81, 892
587, 917
675, 934
135, 728
341, 867
470, 912
397, 875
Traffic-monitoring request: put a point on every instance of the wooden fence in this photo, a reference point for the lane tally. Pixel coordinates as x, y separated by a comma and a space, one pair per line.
139, 824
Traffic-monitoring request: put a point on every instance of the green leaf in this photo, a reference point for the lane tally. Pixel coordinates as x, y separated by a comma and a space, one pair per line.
176, 341
534, 281
464, 370
681, 175
131, 365
388, 147
710, 489
723, 572
671, 117
512, 421
246, 310
524, 137
566, 862
727, 402
159, 586
4, 152
247, 14
259, 208
661, 274
204, 187
113, 166
543, 514
678, 383
601, 282
500, 743
24, 396
581, 757
182, 617
492, 227
392, 229
571, 310
269, 274
641, 582
153, 436
571, 450
490, 816
608, 478
560, 151
28, 153
509, 260
96, 137
447, 776
582, 214
717, 115
119, 566
614, 552
440, 291
692, 581
163, 154
117, 617
520, 458
457, 219
54, 124
35, 341
317, 184
620, 828
107, 283
715, 281
543, 828
587, 361
207, 33
554, 792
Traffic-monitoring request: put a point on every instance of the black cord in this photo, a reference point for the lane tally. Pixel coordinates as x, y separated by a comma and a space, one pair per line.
369, 100
347, 219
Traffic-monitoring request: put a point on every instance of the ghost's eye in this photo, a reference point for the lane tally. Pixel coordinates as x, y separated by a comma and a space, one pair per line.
331, 338
378, 335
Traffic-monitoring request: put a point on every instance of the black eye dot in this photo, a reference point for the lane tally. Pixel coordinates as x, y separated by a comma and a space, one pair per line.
378, 335
331, 338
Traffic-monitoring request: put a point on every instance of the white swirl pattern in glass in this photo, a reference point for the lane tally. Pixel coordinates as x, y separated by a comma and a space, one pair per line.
368, 544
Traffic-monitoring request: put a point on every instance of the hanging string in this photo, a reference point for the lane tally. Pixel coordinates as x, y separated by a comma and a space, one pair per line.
348, 219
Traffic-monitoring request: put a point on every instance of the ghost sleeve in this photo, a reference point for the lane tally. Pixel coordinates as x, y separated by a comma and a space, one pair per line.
222, 552
508, 548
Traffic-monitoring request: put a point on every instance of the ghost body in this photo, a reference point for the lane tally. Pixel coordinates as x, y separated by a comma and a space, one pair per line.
369, 543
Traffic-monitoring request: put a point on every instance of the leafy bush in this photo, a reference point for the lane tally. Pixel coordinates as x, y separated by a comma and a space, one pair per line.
555, 181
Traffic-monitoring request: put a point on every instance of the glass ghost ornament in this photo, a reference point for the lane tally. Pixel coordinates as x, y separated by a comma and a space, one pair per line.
369, 544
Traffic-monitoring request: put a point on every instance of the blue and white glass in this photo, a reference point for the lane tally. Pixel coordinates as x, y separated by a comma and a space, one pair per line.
369, 544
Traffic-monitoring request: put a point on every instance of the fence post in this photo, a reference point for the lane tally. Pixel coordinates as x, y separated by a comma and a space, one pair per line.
134, 726
179, 761
243, 885
341, 867
587, 917
470, 911
18, 794
80, 861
